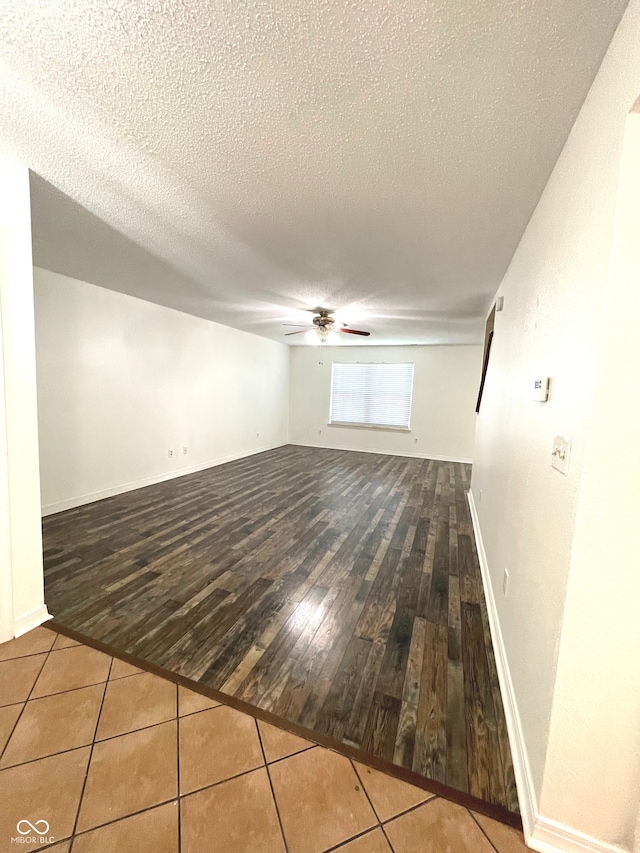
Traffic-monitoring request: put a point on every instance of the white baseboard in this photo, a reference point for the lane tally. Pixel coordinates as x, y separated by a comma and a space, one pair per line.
541, 834
30, 620
91, 497
524, 783
549, 837
385, 452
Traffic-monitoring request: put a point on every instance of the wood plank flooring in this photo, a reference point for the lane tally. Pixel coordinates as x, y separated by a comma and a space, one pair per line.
338, 590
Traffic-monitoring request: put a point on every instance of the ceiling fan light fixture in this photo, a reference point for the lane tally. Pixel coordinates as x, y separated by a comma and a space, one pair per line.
324, 326
323, 332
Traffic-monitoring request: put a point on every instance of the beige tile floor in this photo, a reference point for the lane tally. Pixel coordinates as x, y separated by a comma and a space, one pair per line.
115, 759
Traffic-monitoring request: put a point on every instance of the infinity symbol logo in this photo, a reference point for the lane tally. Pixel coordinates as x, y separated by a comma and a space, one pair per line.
41, 827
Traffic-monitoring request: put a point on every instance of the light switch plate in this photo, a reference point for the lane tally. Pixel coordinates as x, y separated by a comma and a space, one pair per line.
560, 454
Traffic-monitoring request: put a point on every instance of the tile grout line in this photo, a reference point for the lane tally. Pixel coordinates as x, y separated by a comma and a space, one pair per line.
91, 829
220, 782
30, 654
86, 776
60, 692
404, 812
366, 793
89, 743
133, 731
387, 839
299, 752
382, 824
273, 793
11, 733
473, 818
49, 755
35, 681
156, 805
131, 675
413, 809
343, 844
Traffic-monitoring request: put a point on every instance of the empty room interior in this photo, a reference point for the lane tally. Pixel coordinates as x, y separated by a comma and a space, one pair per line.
319, 416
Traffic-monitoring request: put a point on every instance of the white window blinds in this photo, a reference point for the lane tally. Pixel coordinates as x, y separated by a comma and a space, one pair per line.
371, 394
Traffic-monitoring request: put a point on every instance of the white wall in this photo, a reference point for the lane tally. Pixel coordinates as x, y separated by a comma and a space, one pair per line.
598, 673
121, 380
556, 302
21, 582
445, 387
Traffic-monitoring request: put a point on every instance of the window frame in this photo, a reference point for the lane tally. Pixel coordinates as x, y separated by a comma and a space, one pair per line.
371, 424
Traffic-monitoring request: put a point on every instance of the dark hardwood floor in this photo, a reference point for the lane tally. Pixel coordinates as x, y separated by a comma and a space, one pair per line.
338, 590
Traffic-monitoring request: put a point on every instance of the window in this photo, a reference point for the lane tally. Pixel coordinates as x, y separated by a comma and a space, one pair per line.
371, 394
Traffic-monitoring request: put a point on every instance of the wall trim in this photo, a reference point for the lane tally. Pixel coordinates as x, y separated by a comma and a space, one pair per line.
549, 836
524, 782
386, 452
29, 621
541, 834
91, 497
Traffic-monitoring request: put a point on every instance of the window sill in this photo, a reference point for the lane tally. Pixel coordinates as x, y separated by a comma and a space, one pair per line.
378, 427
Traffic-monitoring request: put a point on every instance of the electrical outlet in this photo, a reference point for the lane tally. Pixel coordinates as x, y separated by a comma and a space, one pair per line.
505, 582
415, 440
257, 435
170, 451
185, 450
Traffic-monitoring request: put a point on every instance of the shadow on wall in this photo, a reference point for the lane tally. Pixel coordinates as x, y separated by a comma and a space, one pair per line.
70, 240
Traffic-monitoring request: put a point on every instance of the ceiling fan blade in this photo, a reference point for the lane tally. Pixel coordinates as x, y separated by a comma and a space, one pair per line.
296, 333
354, 332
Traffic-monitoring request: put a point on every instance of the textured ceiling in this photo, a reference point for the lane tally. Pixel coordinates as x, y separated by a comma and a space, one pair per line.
243, 160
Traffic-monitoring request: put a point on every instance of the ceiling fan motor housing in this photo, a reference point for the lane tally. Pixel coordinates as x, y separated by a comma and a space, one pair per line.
323, 319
